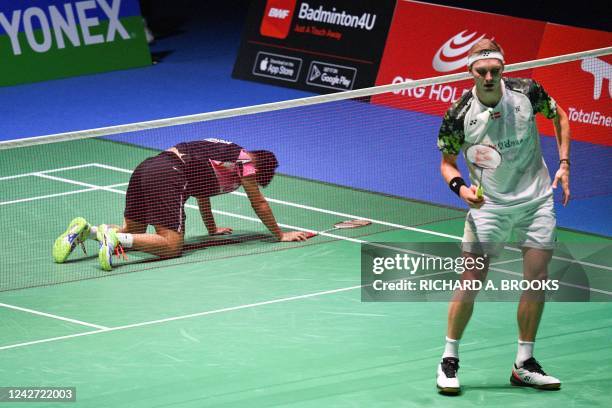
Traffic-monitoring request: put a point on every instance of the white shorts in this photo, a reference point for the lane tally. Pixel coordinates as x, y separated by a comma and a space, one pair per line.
486, 231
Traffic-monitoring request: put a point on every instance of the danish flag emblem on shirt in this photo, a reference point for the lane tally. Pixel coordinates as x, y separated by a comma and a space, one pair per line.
495, 115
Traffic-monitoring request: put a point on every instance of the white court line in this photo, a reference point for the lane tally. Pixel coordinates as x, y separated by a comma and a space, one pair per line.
188, 316
22, 200
106, 166
66, 319
191, 315
35, 173
78, 183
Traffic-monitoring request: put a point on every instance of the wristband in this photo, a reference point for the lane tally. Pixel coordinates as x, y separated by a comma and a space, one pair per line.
564, 160
455, 185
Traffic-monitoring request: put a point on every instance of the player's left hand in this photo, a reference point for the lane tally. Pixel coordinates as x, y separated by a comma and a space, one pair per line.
562, 175
294, 236
222, 231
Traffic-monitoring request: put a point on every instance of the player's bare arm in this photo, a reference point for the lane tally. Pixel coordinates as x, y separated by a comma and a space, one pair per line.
264, 212
562, 132
209, 219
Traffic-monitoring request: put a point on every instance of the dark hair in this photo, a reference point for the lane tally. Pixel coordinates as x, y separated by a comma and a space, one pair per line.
266, 164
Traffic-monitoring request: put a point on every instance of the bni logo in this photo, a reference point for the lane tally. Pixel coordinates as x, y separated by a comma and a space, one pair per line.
276, 21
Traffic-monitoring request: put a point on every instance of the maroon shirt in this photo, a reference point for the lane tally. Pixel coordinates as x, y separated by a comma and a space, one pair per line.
213, 166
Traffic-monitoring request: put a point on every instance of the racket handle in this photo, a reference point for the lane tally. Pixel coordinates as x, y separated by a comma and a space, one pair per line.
480, 191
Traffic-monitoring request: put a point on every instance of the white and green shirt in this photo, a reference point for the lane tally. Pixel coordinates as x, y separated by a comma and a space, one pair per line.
511, 128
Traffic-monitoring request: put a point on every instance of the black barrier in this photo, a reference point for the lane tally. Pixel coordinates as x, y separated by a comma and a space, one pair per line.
314, 45
436, 272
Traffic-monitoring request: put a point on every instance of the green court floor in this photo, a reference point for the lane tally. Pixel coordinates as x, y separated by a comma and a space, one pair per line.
243, 321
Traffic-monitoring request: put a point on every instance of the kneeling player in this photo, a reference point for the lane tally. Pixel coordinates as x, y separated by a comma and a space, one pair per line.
158, 190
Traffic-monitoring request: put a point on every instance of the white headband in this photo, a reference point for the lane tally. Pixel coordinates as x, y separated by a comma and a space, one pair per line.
485, 55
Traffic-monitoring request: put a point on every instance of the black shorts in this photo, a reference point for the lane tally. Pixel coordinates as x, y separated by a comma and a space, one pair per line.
157, 192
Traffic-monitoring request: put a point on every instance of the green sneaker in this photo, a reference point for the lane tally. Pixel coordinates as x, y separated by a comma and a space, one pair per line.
109, 246
76, 234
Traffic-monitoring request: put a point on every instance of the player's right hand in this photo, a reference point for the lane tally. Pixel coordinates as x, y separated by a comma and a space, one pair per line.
294, 236
470, 196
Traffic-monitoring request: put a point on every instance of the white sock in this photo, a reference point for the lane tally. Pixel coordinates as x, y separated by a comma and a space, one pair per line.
93, 233
525, 352
126, 240
451, 349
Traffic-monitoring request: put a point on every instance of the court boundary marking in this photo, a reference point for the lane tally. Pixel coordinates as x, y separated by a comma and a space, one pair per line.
52, 316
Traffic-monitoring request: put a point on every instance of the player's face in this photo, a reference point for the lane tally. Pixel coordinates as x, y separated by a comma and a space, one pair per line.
487, 74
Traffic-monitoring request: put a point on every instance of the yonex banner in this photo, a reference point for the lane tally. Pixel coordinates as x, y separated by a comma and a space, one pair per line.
47, 39
316, 45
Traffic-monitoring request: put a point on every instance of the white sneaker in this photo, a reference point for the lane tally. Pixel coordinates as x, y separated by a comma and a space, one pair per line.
532, 375
447, 380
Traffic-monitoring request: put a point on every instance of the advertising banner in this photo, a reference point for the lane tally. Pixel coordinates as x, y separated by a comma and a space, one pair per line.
48, 39
428, 40
315, 45
582, 88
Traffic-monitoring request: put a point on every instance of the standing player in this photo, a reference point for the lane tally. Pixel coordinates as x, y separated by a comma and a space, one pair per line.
517, 197
158, 190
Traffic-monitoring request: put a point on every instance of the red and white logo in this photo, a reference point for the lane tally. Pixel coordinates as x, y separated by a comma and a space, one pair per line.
454, 53
276, 21
601, 71
414, 51
583, 88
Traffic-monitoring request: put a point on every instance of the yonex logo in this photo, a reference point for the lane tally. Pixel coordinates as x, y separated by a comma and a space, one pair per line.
453, 53
74, 22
